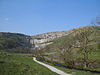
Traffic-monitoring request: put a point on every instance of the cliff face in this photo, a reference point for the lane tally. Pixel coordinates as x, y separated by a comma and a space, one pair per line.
42, 40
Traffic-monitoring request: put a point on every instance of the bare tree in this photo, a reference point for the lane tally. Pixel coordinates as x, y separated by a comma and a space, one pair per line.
84, 40
65, 51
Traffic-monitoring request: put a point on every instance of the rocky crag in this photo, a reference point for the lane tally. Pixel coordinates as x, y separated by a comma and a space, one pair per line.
42, 40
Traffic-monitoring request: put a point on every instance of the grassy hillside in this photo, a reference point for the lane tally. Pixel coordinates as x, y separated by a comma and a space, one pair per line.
80, 49
94, 39
21, 64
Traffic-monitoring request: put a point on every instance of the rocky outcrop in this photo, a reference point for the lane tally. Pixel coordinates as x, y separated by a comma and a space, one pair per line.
42, 40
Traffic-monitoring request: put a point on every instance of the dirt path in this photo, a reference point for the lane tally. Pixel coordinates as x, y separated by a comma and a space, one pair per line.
51, 68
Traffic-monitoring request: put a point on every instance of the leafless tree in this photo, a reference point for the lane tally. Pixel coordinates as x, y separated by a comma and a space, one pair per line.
84, 40
65, 51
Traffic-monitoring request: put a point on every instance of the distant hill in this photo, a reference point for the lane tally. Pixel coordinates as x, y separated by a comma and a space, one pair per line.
14, 40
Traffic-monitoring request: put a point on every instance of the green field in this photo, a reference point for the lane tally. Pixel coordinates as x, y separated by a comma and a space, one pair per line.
21, 64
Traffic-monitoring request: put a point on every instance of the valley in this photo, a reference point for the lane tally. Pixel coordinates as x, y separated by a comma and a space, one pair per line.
78, 50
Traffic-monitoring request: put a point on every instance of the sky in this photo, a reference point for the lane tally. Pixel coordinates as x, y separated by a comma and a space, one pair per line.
33, 17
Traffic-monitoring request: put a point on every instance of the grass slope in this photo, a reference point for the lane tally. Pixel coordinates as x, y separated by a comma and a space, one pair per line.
94, 41
20, 64
53, 51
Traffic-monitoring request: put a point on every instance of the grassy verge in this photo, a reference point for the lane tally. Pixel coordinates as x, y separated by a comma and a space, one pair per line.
21, 64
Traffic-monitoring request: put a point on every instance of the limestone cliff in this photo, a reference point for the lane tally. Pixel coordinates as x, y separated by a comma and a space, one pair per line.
42, 40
